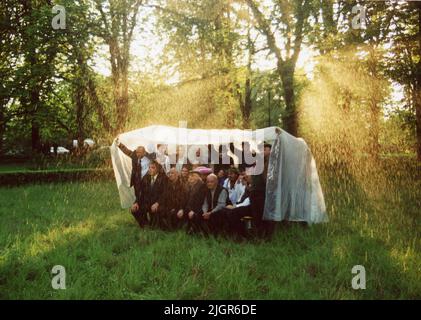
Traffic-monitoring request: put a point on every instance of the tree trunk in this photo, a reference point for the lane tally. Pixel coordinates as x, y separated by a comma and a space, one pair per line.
247, 104
290, 117
418, 87
119, 71
2, 129
418, 124
79, 115
79, 96
35, 132
123, 100
374, 104
35, 136
93, 96
374, 128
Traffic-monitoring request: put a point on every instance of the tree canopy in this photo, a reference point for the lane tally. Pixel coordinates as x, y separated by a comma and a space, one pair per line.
320, 69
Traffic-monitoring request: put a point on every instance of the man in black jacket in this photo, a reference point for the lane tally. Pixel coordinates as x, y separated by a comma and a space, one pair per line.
150, 196
173, 201
196, 195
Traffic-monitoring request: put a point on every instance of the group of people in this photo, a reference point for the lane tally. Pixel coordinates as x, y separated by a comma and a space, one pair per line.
202, 199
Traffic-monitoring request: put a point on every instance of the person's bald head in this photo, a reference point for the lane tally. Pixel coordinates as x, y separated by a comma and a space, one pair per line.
140, 152
173, 175
211, 181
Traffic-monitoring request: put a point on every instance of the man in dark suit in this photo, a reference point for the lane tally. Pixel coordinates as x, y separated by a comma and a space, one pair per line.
174, 201
196, 195
150, 196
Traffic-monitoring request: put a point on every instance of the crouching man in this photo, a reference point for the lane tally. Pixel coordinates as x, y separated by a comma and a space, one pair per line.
150, 196
236, 212
196, 195
216, 199
173, 202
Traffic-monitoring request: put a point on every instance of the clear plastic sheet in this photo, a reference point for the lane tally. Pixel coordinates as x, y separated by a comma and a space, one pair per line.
293, 190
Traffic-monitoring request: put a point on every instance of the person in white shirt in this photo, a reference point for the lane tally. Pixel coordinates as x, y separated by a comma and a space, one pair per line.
144, 164
234, 185
234, 213
162, 158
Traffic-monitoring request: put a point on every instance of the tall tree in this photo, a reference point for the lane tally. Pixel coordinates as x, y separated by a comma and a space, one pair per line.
284, 27
404, 62
245, 100
204, 44
77, 71
9, 52
336, 38
117, 22
418, 84
34, 58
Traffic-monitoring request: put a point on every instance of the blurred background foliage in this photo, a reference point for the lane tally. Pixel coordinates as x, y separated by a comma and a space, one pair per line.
124, 64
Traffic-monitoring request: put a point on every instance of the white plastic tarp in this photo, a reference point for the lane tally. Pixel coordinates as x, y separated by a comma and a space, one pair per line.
291, 166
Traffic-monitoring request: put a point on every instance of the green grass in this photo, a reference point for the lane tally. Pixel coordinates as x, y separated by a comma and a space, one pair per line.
106, 256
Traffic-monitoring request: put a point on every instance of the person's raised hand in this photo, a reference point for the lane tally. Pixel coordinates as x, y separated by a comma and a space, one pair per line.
191, 214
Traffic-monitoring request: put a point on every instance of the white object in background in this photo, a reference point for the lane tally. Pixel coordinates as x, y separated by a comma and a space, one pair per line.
89, 142
62, 150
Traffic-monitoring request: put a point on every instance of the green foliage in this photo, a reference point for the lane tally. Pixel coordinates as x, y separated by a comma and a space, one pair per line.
50, 92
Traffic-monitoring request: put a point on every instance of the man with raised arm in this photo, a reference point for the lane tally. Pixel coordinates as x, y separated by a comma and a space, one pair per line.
140, 164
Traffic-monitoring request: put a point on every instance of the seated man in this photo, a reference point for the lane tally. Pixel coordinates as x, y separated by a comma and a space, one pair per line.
221, 177
184, 174
174, 200
235, 212
243, 197
150, 196
233, 185
216, 199
196, 196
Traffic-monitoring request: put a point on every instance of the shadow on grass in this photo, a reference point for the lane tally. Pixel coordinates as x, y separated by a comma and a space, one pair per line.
119, 261
106, 256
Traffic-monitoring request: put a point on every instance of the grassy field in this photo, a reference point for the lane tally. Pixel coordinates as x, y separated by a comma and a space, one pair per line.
106, 256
